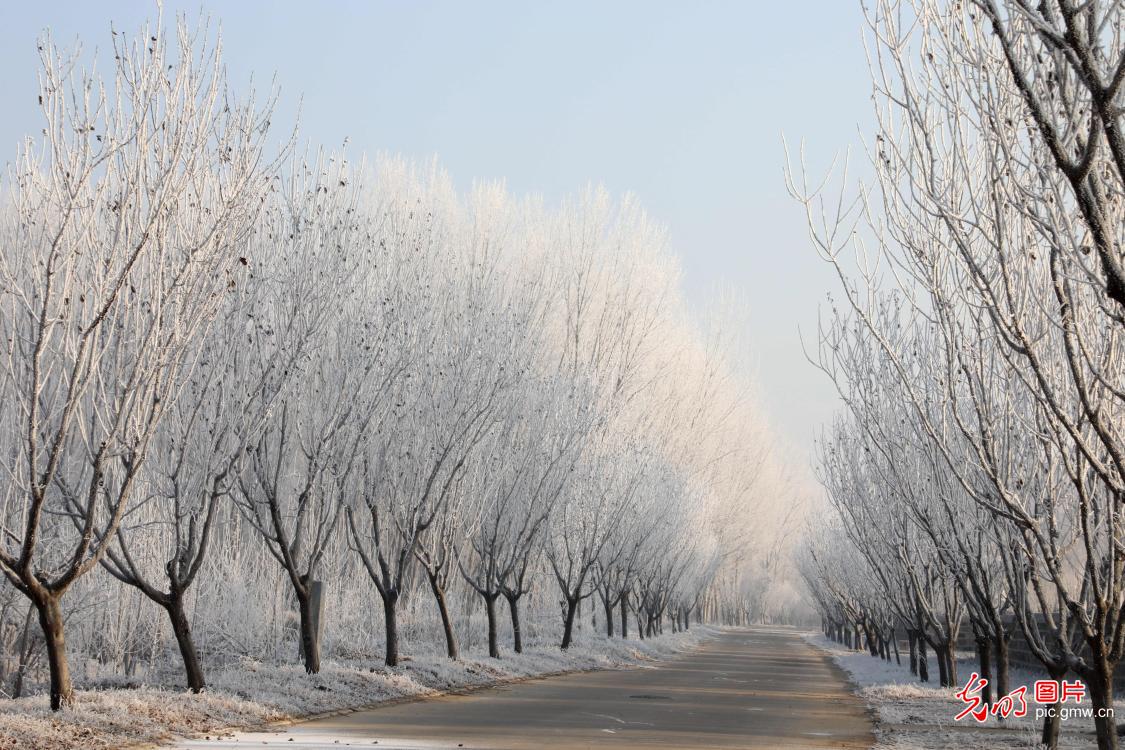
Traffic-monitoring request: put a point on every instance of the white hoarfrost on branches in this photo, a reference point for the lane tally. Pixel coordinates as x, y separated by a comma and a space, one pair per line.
251, 393
977, 476
122, 231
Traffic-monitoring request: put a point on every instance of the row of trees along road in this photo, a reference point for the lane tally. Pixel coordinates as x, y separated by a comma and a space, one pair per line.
978, 471
243, 379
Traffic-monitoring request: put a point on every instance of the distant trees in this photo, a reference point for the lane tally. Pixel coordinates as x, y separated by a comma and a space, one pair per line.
532, 463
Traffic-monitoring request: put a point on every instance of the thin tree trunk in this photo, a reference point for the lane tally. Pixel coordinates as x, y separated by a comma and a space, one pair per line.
943, 666
1099, 680
984, 660
310, 646
390, 627
624, 614
25, 653
951, 663
51, 620
1052, 722
493, 636
1000, 649
568, 625
182, 630
446, 621
517, 631
923, 660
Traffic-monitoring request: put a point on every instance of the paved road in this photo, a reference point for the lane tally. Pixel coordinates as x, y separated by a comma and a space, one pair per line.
757, 688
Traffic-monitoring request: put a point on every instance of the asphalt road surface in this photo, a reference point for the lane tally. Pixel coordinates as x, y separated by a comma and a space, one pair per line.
755, 688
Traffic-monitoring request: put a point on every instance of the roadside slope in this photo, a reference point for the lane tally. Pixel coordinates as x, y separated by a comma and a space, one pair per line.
253, 694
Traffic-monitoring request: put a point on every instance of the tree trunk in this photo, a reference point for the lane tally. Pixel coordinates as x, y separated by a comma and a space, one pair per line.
1000, 649
514, 611
568, 625
624, 614
310, 645
182, 630
984, 660
942, 665
608, 616
951, 663
390, 627
1052, 722
25, 654
1099, 681
923, 660
493, 637
446, 620
51, 620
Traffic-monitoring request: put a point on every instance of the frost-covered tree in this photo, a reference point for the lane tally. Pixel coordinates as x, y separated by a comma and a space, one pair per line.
996, 213
126, 225
261, 343
268, 395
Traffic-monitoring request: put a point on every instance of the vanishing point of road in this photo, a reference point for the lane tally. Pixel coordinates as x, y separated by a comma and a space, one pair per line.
753, 688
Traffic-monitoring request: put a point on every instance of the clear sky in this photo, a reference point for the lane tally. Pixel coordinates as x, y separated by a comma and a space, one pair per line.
682, 103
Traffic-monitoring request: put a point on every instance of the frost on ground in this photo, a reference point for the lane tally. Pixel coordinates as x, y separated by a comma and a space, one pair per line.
250, 693
914, 716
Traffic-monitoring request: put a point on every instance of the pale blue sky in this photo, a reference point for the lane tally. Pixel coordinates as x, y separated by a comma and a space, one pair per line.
682, 103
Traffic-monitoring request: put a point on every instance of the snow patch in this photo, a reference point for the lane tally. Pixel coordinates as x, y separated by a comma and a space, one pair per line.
251, 693
911, 715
